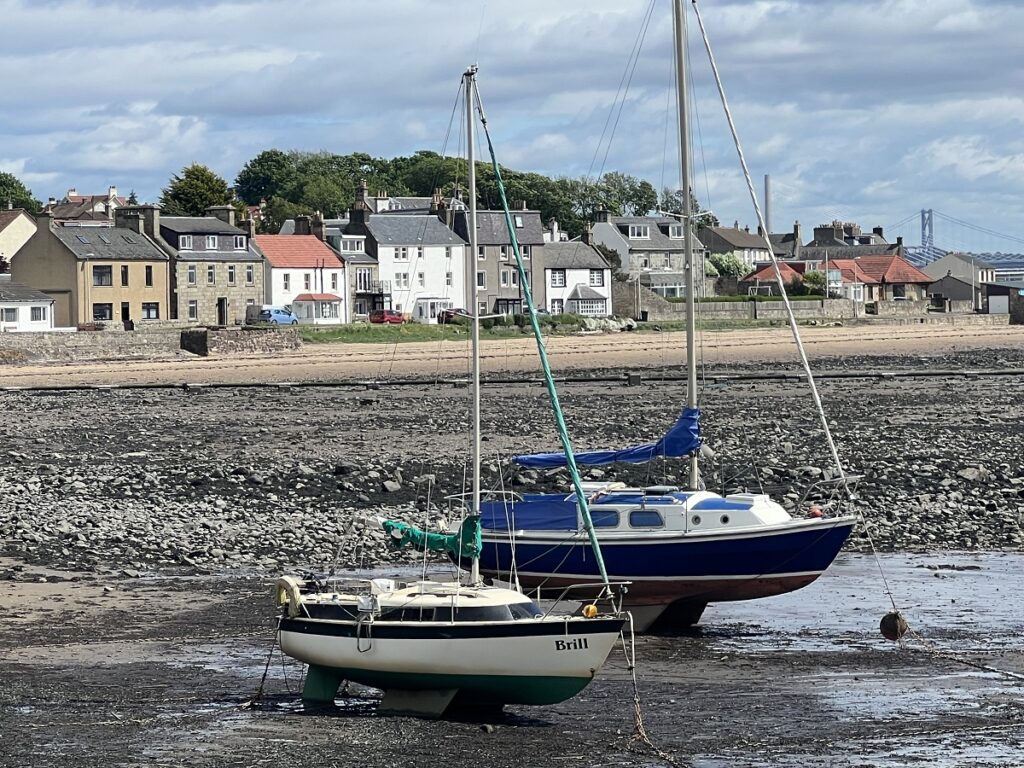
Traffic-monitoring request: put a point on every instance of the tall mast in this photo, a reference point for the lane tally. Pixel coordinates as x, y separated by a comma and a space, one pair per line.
472, 292
682, 102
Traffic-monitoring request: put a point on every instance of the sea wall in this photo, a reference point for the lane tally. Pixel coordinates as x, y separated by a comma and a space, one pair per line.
88, 345
239, 341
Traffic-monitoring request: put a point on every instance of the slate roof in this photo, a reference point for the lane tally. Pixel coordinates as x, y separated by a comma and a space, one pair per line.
843, 251
8, 217
297, 251
397, 229
892, 269
492, 230
736, 238
203, 225
11, 292
573, 254
658, 228
109, 244
331, 226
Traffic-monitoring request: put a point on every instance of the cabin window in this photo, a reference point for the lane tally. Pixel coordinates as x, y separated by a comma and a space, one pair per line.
645, 518
604, 518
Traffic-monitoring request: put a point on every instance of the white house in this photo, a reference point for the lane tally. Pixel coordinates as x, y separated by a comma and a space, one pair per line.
577, 279
303, 272
23, 308
16, 229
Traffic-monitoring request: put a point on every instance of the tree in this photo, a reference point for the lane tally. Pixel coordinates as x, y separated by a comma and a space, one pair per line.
611, 256
277, 212
13, 192
672, 202
728, 265
270, 173
815, 281
133, 198
193, 191
627, 195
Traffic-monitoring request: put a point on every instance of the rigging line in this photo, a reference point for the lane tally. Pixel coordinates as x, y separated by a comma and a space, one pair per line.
611, 111
622, 103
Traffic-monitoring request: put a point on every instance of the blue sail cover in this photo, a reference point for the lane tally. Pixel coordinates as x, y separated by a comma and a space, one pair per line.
681, 440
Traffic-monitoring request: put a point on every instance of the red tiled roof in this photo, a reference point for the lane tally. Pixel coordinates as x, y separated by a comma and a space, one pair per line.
851, 271
297, 251
316, 296
892, 269
767, 274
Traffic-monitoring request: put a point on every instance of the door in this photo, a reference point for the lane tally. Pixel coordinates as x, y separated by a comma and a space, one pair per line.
126, 316
998, 305
222, 311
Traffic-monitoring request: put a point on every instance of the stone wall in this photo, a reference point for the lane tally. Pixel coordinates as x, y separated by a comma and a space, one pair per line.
1016, 308
88, 345
897, 308
239, 341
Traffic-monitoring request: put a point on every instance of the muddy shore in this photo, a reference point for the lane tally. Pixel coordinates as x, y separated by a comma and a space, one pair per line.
141, 531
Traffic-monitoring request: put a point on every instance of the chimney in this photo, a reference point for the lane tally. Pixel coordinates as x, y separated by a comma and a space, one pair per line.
798, 240
878, 231
760, 231
521, 205
143, 218
302, 225
747, 229
49, 203
587, 238
317, 227
602, 215
111, 192
225, 213
249, 225
361, 191
553, 236
72, 192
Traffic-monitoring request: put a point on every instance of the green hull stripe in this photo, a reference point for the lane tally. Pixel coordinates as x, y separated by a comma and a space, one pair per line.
482, 689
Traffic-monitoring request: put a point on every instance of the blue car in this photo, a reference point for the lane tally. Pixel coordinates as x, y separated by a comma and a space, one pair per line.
278, 316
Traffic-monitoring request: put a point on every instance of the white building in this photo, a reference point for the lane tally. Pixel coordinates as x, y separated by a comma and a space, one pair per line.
303, 272
23, 308
577, 279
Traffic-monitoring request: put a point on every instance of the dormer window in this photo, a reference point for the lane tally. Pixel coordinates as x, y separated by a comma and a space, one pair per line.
239, 242
211, 242
639, 232
675, 231
185, 243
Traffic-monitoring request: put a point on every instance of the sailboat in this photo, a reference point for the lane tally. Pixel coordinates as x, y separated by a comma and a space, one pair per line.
680, 548
432, 645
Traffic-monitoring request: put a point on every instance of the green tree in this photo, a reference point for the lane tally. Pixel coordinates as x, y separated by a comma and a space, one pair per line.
672, 202
272, 172
627, 195
194, 190
133, 198
728, 265
277, 212
611, 256
815, 281
13, 192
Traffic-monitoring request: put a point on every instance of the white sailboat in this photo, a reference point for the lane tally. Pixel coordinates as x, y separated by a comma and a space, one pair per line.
430, 645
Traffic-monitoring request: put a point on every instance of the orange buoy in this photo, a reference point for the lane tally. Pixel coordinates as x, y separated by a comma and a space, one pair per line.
893, 626
590, 611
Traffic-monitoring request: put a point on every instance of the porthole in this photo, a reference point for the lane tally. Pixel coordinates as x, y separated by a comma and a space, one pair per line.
695, 519
725, 519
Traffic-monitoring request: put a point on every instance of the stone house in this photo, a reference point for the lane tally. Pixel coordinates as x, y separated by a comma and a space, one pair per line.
968, 269
749, 248
96, 274
303, 272
23, 308
497, 278
895, 279
577, 278
16, 228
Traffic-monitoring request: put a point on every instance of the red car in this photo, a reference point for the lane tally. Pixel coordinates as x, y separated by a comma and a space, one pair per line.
387, 316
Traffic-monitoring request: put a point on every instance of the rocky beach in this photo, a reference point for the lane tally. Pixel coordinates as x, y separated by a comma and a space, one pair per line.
141, 530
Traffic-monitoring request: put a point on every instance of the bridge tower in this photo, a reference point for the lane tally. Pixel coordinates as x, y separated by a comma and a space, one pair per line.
927, 231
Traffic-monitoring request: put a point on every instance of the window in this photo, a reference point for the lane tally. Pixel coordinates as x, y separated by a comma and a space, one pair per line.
447, 251
401, 254
193, 309
355, 246
645, 262
102, 311
401, 279
524, 250
149, 277
448, 278
481, 308
604, 518
9, 314
128, 239
38, 314
639, 232
597, 278
515, 277
334, 281
481, 254
505, 278
590, 307
250, 274
307, 280
239, 242
527, 273
105, 239
364, 277
103, 275
211, 242
556, 306
150, 311
185, 242
519, 221
645, 518
504, 253
286, 280
419, 252
557, 278
481, 279
211, 274
82, 239
231, 274
421, 279
675, 231
191, 274
124, 276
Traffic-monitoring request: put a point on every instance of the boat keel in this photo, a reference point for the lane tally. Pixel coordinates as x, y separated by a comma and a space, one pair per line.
428, 704
321, 684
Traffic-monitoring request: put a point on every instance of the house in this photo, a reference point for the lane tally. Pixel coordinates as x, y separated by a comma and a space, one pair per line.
16, 228
23, 308
968, 269
115, 273
651, 249
763, 280
304, 272
950, 288
848, 280
749, 248
577, 278
86, 209
845, 240
420, 259
787, 245
1006, 298
895, 279
497, 278
216, 271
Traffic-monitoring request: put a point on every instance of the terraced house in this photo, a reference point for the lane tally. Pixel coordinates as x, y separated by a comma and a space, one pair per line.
103, 274
215, 272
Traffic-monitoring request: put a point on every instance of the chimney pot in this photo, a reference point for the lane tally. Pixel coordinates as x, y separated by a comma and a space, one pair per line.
302, 225
225, 213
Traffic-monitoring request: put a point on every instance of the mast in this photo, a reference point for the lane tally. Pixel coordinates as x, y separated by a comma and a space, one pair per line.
682, 103
469, 81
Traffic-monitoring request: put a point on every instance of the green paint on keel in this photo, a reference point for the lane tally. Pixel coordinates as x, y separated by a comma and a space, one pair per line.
321, 684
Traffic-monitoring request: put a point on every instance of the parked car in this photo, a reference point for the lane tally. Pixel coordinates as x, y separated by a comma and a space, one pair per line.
278, 316
450, 315
388, 316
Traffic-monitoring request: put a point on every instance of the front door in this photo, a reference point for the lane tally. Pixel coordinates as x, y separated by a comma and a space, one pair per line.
222, 311
126, 315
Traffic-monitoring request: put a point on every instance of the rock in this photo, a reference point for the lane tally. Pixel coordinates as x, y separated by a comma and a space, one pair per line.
391, 486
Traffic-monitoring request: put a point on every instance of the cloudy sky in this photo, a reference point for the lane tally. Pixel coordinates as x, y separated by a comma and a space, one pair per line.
865, 110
